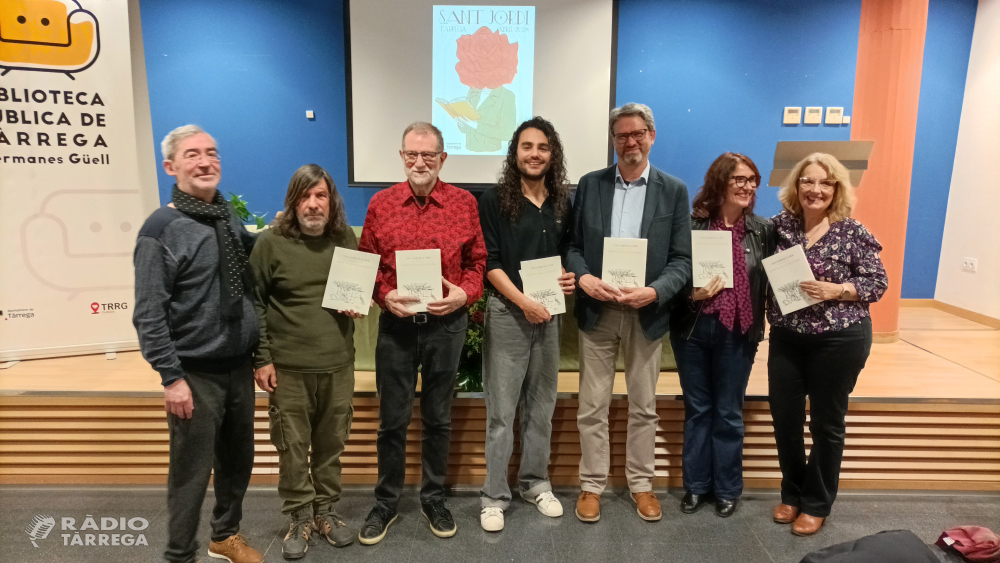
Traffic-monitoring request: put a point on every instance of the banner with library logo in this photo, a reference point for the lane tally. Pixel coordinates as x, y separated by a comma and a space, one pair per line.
69, 181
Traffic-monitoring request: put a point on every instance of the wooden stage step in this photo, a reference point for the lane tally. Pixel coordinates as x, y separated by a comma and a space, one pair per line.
118, 440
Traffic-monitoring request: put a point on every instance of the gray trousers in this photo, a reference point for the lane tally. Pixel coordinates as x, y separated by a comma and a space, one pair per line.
217, 439
520, 367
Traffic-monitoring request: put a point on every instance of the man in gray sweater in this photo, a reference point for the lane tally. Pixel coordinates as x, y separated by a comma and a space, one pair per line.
197, 327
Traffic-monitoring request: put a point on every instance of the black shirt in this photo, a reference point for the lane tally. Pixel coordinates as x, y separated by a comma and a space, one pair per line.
537, 234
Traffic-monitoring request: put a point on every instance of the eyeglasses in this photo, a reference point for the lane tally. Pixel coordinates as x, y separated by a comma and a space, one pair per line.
810, 182
742, 181
411, 156
639, 136
213, 157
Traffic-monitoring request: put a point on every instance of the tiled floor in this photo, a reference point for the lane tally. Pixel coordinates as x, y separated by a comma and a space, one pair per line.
620, 536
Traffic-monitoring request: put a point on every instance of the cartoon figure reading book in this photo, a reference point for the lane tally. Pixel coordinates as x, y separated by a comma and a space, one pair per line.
487, 60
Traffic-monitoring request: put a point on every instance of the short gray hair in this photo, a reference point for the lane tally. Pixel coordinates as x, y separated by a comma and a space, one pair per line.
632, 109
423, 128
169, 144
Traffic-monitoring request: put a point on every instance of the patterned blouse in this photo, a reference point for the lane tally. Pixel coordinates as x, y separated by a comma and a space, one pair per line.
846, 253
733, 305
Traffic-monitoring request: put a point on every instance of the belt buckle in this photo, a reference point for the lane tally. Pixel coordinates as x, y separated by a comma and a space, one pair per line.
420, 318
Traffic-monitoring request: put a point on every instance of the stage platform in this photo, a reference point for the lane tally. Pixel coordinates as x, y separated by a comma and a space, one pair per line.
925, 414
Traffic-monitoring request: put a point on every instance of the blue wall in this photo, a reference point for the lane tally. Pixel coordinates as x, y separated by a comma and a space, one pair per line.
718, 73
246, 71
942, 89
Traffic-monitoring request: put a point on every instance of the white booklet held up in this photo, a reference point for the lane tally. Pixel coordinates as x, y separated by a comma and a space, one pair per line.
785, 271
711, 255
624, 262
418, 274
351, 281
540, 281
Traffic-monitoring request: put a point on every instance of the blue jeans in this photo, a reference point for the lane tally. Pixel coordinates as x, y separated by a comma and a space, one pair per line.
714, 367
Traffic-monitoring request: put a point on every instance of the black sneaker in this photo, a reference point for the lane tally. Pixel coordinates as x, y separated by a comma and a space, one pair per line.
299, 536
439, 517
376, 525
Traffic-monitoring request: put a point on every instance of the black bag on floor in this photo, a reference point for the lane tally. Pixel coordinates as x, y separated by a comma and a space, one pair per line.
895, 546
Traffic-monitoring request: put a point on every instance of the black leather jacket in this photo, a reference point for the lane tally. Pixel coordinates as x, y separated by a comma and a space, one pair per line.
760, 241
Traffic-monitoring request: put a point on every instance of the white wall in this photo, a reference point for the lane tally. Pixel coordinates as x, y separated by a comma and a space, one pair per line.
972, 226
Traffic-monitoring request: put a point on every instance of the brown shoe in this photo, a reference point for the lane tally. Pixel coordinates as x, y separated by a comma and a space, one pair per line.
588, 506
806, 525
785, 514
234, 549
647, 506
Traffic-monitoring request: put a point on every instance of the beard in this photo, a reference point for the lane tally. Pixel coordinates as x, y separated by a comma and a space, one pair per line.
532, 177
632, 158
312, 223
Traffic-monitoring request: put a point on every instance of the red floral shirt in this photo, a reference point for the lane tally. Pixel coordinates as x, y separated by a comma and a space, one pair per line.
449, 220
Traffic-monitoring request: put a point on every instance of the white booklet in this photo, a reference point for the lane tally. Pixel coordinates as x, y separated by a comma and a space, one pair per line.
540, 281
351, 282
418, 274
624, 262
711, 255
785, 271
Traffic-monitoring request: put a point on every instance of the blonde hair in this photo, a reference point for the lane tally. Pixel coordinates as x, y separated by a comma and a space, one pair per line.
843, 193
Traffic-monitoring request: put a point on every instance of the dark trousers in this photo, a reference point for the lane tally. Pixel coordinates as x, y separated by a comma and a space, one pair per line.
404, 347
825, 368
714, 367
219, 436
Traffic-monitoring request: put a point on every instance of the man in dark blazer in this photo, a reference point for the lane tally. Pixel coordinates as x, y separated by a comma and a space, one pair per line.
628, 200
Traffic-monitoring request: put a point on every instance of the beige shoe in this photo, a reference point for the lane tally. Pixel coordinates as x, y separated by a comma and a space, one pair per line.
235, 550
647, 506
588, 507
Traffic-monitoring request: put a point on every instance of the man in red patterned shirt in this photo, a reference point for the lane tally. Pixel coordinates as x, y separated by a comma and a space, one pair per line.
421, 213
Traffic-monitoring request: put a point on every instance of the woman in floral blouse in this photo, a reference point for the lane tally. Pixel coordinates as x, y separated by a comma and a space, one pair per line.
715, 333
820, 350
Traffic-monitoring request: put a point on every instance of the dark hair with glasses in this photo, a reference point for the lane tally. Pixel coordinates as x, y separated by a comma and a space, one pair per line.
712, 195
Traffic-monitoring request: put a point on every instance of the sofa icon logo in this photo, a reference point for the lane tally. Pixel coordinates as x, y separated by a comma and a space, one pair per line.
47, 36
39, 528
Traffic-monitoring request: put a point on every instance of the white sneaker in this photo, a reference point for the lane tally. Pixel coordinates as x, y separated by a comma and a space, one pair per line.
491, 518
548, 504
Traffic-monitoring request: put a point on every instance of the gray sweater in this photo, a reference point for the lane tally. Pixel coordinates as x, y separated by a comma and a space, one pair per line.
178, 312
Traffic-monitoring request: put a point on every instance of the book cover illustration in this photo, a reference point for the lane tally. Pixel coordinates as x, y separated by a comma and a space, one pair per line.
482, 75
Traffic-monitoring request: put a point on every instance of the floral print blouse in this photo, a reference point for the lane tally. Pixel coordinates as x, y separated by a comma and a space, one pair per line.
846, 253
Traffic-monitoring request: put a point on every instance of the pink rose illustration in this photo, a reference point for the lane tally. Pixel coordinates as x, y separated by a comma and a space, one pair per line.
486, 59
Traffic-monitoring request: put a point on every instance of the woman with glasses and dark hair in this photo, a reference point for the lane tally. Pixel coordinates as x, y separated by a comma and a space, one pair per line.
714, 333
819, 351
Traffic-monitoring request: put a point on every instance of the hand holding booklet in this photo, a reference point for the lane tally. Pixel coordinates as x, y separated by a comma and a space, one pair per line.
351, 281
785, 271
624, 262
540, 282
711, 255
418, 274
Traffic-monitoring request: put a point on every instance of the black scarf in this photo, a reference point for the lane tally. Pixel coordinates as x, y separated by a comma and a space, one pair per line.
234, 268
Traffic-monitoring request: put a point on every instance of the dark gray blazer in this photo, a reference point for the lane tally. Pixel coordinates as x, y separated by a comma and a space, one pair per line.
666, 224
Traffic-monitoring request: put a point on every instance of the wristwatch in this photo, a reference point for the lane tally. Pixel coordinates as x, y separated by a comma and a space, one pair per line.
845, 293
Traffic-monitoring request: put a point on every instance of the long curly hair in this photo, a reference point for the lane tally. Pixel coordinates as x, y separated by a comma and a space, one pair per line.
712, 195
303, 180
509, 179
